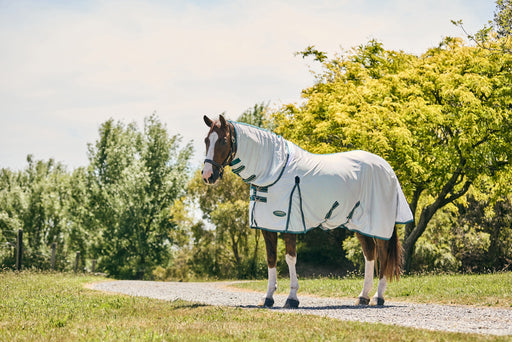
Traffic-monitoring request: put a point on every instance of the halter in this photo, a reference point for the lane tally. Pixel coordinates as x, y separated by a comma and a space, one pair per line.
231, 154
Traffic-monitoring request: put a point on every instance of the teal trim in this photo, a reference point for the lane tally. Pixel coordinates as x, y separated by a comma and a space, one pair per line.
238, 170
234, 162
296, 186
334, 206
349, 217
311, 228
284, 166
256, 198
259, 188
249, 179
249, 125
404, 222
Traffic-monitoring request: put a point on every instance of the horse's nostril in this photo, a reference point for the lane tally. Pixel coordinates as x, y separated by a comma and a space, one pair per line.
208, 180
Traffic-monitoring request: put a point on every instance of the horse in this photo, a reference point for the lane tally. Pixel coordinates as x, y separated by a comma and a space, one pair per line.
293, 191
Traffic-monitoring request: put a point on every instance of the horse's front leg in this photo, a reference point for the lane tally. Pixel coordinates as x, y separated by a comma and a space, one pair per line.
271, 246
291, 259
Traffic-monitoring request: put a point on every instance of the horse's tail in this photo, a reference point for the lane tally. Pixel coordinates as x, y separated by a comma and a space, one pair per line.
394, 257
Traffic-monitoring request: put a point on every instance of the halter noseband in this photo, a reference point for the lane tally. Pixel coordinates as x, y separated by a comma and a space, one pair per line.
231, 154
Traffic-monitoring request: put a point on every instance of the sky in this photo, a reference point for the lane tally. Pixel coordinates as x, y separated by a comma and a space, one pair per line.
68, 66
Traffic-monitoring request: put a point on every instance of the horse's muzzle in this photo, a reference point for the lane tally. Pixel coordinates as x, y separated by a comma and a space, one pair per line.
212, 177
210, 181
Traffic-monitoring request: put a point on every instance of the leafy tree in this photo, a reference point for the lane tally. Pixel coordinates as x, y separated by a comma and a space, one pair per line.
503, 18
442, 120
255, 116
134, 178
12, 204
485, 231
499, 30
226, 206
36, 200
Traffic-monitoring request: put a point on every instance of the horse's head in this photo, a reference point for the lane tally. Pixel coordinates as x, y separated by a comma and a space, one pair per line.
220, 148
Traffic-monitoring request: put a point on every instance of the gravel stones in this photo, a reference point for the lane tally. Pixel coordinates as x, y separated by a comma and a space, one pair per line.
492, 321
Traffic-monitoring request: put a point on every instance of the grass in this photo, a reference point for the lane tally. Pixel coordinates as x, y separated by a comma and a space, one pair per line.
478, 290
57, 307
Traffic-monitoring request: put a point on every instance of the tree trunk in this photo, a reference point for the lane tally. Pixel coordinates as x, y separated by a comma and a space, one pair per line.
414, 233
255, 251
235, 249
409, 243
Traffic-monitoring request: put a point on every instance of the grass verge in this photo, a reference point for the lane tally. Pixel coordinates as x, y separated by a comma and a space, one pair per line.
57, 307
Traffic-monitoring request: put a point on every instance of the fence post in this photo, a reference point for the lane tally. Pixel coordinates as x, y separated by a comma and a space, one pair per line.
93, 269
77, 261
54, 247
19, 249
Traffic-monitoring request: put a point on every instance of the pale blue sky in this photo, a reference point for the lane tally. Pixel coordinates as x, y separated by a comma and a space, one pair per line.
67, 66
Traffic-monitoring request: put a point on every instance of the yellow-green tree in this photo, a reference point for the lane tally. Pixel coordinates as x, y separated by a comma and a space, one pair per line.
443, 120
226, 206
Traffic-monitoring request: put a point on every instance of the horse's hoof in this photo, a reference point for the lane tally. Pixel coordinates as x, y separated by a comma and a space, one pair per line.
267, 302
376, 301
291, 304
362, 301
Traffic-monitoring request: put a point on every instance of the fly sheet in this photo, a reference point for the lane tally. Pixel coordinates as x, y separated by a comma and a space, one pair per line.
294, 191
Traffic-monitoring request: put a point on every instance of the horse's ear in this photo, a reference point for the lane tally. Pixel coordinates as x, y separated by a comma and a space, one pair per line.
207, 121
222, 121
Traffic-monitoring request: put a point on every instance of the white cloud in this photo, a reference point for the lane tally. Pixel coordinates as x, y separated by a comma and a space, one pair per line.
67, 68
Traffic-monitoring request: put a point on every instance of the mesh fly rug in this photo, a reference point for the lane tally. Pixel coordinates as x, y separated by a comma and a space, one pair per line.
294, 191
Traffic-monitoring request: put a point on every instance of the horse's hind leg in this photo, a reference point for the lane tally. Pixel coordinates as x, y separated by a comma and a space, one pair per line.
382, 256
291, 259
389, 253
368, 245
271, 246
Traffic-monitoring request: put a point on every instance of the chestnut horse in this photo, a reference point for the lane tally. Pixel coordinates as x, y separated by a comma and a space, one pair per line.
224, 146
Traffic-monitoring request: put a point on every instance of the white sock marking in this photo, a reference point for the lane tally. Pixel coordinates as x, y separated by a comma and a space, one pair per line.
294, 282
368, 278
272, 282
383, 282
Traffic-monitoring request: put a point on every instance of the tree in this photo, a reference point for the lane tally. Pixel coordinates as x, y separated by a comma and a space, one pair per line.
226, 206
443, 120
12, 204
255, 116
134, 178
489, 224
499, 30
503, 18
36, 200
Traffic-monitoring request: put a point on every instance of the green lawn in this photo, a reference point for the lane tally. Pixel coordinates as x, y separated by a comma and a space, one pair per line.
480, 290
57, 307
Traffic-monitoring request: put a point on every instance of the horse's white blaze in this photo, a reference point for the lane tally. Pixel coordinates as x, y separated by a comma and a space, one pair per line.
368, 278
382, 287
272, 282
294, 282
208, 167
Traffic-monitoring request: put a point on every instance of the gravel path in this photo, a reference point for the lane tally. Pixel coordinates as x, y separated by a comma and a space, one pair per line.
425, 316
